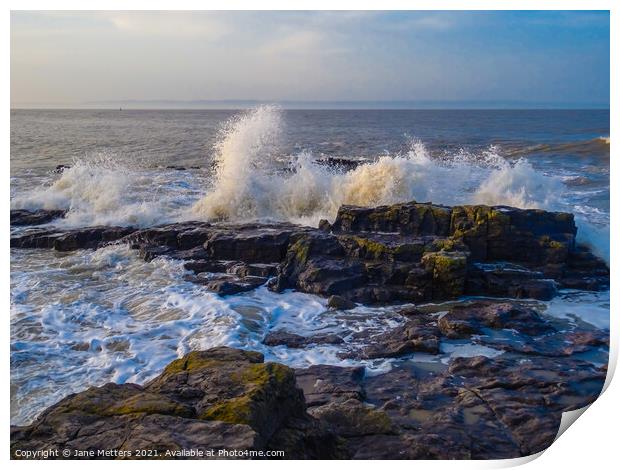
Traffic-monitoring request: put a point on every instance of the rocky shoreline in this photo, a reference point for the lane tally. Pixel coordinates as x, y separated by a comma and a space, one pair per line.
478, 407
411, 252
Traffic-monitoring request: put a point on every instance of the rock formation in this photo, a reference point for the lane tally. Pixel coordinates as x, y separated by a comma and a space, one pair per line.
408, 252
505, 405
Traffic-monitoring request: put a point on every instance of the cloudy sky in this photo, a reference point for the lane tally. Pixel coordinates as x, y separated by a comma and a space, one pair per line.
554, 59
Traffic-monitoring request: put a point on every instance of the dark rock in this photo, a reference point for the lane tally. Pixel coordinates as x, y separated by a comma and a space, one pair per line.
250, 243
179, 236
340, 303
351, 418
556, 344
35, 239
407, 252
221, 398
464, 321
419, 334
229, 284
149, 253
280, 338
257, 269
90, 238
503, 326
61, 168
409, 218
87, 238
292, 340
510, 234
209, 266
38, 217
508, 280
323, 384
325, 226
339, 163
475, 408
449, 273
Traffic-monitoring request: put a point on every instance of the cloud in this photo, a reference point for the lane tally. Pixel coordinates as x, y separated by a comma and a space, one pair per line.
107, 55
170, 24
434, 22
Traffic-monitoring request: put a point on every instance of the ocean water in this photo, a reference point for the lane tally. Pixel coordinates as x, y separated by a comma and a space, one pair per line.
89, 317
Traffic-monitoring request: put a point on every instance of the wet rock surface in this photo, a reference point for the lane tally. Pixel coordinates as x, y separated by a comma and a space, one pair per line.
70, 240
431, 403
409, 252
464, 408
475, 408
295, 341
221, 398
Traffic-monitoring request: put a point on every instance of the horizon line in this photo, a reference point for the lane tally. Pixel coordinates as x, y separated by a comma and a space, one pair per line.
241, 108
312, 104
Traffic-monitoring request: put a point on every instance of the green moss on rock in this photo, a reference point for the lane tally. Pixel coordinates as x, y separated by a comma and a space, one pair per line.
448, 271
261, 374
150, 403
352, 418
236, 410
372, 249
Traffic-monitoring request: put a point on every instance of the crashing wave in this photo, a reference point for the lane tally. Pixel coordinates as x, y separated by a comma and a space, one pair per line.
246, 186
253, 179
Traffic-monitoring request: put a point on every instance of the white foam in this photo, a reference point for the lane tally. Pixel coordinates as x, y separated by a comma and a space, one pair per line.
255, 180
588, 307
104, 191
455, 350
246, 187
519, 185
89, 317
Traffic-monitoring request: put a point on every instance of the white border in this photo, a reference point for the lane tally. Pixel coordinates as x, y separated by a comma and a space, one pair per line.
592, 443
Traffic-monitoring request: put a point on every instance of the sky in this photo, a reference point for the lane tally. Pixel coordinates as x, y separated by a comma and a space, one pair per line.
415, 58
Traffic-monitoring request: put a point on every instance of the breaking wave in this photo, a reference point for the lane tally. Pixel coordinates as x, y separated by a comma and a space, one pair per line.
105, 191
246, 186
254, 179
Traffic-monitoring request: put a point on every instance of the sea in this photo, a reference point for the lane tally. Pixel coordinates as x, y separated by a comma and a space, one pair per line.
89, 317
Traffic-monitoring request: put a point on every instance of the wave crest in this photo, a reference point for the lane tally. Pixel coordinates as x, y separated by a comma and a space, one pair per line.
248, 184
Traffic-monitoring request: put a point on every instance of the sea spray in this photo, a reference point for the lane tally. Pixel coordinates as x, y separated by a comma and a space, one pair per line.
248, 185
254, 179
243, 160
104, 190
519, 185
